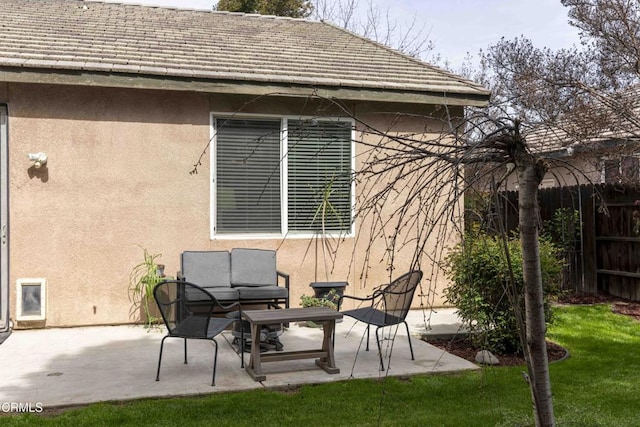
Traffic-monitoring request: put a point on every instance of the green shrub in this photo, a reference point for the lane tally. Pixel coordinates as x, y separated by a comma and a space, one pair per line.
563, 228
330, 300
479, 272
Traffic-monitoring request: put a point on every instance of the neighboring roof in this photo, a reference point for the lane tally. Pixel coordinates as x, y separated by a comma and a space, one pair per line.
212, 51
557, 142
612, 122
544, 139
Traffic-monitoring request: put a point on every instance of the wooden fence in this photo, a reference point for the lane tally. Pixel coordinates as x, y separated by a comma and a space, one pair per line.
605, 254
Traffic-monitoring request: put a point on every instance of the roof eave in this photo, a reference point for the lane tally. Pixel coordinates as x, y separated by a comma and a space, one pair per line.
601, 146
240, 87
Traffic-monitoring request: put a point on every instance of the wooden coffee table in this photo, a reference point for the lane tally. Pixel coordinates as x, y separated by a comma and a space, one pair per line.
324, 315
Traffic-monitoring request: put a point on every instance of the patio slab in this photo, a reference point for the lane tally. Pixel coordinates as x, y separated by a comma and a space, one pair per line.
74, 366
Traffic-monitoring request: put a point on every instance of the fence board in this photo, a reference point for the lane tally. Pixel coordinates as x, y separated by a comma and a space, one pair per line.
587, 244
607, 256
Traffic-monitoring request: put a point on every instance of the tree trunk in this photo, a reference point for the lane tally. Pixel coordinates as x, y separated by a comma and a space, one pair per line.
530, 173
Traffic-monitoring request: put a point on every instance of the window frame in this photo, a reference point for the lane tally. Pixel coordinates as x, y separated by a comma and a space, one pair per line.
23, 283
619, 166
284, 182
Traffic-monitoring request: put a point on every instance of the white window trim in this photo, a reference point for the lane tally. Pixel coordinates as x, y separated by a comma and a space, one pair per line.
43, 299
283, 178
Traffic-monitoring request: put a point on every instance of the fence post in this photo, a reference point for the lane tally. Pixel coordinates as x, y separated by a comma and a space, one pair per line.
589, 259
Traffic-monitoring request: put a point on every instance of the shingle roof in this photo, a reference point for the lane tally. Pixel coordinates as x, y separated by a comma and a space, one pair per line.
117, 38
612, 119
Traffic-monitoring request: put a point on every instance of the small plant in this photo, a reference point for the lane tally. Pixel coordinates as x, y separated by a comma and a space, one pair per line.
327, 220
330, 300
143, 278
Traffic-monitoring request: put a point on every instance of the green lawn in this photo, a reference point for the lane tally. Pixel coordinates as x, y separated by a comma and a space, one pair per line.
599, 385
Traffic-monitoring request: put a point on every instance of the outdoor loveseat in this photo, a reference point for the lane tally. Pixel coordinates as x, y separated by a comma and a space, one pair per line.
244, 276
247, 276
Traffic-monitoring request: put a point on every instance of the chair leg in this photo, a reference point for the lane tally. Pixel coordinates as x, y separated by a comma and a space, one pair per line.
215, 362
379, 349
409, 338
160, 357
241, 337
185, 351
368, 326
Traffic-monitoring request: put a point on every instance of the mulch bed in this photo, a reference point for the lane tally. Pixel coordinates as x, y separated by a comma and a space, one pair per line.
463, 347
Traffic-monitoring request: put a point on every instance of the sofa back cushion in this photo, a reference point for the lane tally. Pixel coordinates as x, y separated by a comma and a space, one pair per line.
253, 267
206, 268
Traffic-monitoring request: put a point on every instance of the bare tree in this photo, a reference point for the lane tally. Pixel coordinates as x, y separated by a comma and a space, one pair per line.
582, 95
410, 192
365, 18
584, 91
425, 179
411, 185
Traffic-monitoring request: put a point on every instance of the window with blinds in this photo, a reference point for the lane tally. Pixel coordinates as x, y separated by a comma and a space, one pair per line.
249, 166
319, 176
248, 176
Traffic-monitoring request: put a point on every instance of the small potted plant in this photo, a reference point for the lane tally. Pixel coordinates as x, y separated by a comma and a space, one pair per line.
325, 243
143, 278
330, 300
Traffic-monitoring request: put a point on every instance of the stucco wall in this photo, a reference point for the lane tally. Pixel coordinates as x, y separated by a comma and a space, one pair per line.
568, 171
584, 169
117, 179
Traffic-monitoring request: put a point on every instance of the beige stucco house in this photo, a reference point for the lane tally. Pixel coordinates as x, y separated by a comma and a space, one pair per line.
106, 109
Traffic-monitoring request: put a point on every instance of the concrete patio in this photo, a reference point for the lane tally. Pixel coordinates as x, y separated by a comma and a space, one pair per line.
59, 367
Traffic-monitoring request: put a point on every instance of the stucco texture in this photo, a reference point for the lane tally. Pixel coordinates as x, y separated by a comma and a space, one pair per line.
117, 180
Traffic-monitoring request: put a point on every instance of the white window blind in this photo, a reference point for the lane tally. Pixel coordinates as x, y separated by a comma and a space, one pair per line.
248, 176
319, 176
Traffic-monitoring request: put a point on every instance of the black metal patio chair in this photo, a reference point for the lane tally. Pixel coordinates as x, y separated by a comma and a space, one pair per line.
190, 321
389, 306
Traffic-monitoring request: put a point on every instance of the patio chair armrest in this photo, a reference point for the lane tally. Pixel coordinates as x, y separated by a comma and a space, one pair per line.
354, 298
285, 276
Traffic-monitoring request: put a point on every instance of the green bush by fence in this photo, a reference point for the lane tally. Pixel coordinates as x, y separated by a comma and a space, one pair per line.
481, 280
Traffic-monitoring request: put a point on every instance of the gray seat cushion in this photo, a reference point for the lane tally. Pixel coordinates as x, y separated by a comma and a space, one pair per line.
224, 294
220, 294
262, 292
207, 269
253, 267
